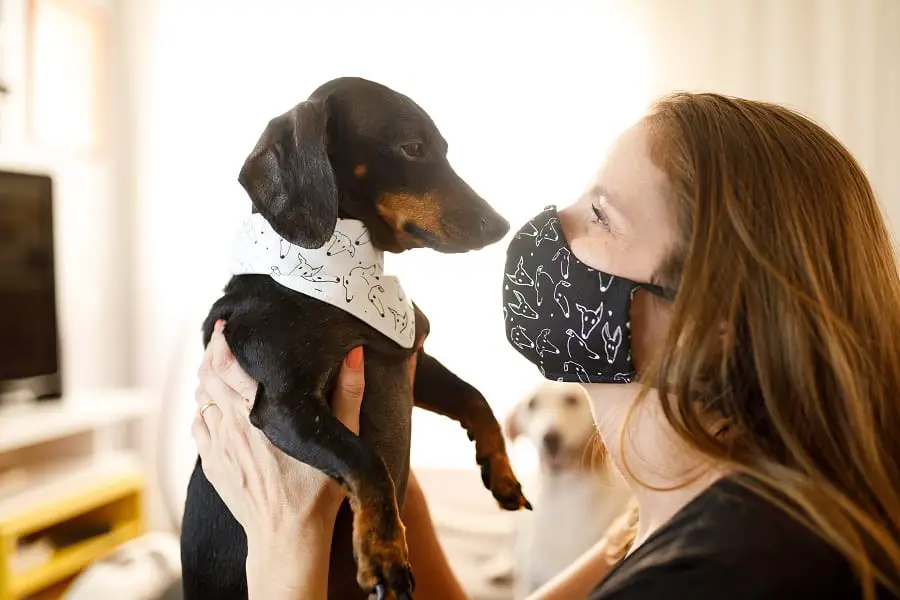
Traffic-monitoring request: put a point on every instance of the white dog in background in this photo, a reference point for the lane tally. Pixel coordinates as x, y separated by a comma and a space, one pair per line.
579, 493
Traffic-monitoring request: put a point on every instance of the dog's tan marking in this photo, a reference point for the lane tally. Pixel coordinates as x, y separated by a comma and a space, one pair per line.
400, 209
379, 541
360, 171
490, 453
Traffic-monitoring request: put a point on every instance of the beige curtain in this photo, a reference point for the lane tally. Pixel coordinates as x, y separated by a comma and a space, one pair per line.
838, 61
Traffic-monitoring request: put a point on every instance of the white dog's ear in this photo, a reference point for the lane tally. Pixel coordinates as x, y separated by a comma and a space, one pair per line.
511, 424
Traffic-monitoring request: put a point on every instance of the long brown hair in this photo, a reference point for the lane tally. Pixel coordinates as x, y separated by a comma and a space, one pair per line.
787, 319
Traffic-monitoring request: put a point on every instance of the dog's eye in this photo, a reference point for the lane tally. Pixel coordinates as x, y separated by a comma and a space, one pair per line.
571, 400
532, 403
415, 150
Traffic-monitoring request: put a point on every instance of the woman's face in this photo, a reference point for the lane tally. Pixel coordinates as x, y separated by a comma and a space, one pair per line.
624, 225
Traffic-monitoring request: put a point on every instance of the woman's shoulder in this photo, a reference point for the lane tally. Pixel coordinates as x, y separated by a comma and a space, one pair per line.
730, 542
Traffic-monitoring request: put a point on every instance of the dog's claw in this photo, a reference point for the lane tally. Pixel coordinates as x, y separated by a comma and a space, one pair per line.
395, 588
497, 476
386, 577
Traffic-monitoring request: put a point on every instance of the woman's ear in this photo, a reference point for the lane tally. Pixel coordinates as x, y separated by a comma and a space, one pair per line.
289, 178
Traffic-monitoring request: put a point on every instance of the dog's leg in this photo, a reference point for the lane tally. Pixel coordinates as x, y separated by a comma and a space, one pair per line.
298, 421
440, 391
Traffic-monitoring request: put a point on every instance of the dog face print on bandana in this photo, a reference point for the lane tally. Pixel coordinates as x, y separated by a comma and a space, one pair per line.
346, 272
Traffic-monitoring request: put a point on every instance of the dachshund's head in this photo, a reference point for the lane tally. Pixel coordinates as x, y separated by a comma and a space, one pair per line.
357, 149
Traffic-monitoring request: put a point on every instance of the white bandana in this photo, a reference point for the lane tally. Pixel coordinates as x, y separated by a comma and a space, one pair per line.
346, 272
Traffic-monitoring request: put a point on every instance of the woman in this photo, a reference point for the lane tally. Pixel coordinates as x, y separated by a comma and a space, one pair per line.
761, 438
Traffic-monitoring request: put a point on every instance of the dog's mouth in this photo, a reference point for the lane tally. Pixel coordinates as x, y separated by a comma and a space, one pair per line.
425, 237
417, 221
563, 459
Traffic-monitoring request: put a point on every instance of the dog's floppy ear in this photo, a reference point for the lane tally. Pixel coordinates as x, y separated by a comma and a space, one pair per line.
511, 423
289, 178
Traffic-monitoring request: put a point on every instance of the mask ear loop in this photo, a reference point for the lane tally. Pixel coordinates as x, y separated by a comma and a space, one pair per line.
660, 291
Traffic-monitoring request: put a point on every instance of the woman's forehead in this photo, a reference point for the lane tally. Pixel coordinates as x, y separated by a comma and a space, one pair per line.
636, 185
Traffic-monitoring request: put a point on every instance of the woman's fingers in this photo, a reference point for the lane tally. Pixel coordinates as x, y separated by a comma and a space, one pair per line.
217, 389
348, 393
200, 433
209, 415
224, 365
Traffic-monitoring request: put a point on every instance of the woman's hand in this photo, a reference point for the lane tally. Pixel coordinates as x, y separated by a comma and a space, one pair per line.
278, 500
265, 489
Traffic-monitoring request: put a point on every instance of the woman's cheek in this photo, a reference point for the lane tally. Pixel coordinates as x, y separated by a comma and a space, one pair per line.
648, 328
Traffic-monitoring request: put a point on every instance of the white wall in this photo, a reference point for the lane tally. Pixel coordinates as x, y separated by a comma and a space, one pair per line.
836, 60
529, 95
527, 123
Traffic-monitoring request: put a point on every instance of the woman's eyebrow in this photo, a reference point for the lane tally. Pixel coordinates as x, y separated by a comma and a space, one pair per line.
613, 201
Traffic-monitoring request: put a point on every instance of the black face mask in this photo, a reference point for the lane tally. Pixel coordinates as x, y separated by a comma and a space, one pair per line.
570, 320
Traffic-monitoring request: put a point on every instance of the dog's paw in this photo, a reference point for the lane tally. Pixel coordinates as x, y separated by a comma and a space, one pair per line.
383, 567
497, 476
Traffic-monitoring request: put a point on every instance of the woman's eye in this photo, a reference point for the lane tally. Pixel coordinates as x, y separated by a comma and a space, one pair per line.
415, 150
601, 217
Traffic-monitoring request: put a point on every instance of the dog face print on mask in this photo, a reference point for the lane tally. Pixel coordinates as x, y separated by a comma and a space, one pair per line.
346, 272
568, 319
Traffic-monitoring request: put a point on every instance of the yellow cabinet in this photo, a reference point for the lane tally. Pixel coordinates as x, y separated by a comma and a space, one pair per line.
106, 511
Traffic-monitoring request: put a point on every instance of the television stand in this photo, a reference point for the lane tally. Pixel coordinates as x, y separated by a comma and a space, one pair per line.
16, 397
72, 486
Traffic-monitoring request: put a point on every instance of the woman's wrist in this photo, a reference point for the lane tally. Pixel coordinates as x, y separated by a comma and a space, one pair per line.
290, 560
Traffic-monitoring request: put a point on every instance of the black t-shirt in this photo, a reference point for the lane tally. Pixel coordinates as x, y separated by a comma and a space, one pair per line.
730, 544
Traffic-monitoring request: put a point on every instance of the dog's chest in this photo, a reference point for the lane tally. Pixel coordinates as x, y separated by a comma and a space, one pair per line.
573, 511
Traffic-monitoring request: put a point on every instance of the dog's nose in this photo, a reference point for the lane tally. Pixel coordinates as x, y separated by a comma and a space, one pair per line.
494, 228
552, 442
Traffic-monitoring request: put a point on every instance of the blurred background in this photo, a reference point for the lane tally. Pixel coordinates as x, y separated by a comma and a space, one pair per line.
141, 112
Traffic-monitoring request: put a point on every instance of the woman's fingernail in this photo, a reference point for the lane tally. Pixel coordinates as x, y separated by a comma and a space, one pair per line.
355, 358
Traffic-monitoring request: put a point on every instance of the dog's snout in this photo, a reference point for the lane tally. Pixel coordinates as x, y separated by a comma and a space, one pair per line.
552, 442
494, 227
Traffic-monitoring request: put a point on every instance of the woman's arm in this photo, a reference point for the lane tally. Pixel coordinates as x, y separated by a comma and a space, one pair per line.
305, 575
288, 566
579, 579
585, 574
434, 578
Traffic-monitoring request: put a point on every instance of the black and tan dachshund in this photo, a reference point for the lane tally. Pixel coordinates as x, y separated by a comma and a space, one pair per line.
358, 150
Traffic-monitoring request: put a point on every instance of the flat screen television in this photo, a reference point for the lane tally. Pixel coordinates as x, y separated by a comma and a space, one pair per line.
29, 340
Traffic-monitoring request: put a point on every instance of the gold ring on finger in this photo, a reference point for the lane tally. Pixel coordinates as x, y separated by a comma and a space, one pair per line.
206, 405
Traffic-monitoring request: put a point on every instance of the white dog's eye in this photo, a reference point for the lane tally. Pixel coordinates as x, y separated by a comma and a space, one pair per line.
532, 403
571, 400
